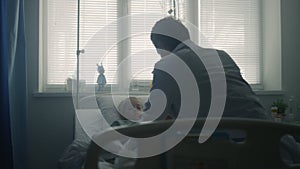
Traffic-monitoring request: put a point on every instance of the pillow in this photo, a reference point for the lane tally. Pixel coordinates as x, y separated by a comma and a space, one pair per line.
109, 109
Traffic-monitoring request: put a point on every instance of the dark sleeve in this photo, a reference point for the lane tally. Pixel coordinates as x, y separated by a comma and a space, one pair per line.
164, 82
116, 123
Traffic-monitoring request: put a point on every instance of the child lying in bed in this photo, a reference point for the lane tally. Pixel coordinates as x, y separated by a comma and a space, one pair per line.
130, 112
74, 156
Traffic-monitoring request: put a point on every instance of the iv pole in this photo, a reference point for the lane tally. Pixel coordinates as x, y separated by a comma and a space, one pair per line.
78, 51
173, 9
174, 6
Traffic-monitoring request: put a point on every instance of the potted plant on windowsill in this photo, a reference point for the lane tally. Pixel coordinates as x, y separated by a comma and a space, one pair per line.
281, 107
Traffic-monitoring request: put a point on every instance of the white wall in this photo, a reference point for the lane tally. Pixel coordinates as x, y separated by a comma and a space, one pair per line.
290, 14
50, 119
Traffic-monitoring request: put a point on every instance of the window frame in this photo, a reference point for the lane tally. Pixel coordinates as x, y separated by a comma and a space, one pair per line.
43, 47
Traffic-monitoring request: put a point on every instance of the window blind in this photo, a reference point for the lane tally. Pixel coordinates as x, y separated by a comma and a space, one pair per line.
234, 26
61, 40
62, 36
94, 15
231, 25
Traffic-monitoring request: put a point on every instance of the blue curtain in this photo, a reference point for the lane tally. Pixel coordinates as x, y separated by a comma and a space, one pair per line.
5, 140
13, 85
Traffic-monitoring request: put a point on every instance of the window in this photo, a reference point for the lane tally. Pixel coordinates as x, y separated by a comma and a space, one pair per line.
235, 26
232, 25
60, 37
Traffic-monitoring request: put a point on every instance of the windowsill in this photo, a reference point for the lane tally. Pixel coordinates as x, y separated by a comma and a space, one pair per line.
269, 92
69, 94
51, 94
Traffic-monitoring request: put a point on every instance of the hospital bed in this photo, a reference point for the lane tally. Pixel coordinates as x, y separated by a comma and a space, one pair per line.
257, 148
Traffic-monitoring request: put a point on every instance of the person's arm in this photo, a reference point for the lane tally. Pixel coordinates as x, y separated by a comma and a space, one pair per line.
164, 82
